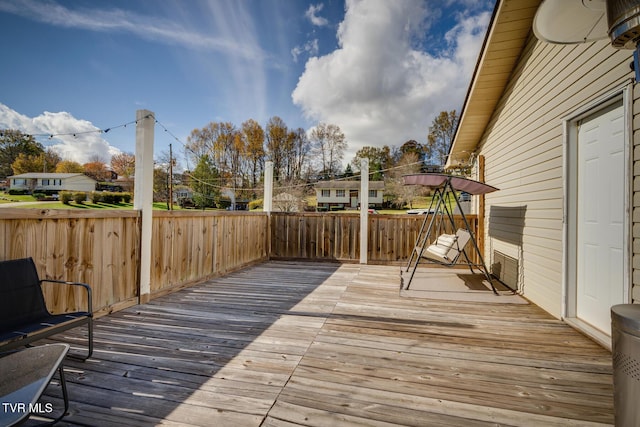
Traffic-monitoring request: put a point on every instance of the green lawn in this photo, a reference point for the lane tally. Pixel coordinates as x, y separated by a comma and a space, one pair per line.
10, 198
88, 205
419, 203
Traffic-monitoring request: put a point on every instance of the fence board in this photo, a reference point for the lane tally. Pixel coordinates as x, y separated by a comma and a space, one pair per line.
99, 248
103, 249
196, 245
336, 236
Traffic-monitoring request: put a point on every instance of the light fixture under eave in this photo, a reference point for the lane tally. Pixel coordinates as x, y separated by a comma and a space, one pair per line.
570, 21
580, 21
623, 17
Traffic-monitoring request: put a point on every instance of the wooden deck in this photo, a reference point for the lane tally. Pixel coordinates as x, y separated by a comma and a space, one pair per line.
313, 344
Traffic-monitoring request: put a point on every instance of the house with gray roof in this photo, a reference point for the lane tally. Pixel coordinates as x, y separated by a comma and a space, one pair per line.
35, 182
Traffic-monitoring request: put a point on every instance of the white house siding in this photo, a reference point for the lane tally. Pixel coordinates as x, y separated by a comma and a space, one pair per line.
635, 219
79, 183
347, 187
334, 198
52, 182
523, 148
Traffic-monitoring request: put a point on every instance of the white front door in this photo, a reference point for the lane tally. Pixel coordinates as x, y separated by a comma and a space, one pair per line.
601, 217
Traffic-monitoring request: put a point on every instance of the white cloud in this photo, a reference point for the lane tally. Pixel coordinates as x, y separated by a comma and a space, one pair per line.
377, 87
316, 20
310, 47
74, 139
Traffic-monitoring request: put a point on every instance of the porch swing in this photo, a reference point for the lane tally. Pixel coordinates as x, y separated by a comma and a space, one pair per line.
448, 248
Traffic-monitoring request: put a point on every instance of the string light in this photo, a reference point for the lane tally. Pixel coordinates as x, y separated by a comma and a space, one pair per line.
166, 129
76, 134
170, 133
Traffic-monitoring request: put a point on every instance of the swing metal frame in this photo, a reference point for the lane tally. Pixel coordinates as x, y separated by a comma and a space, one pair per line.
445, 187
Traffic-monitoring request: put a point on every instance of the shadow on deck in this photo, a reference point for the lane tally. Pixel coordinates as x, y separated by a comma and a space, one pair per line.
282, 344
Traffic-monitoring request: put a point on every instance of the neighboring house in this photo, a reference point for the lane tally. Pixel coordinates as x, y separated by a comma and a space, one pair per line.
35, 182
181, 193
346, 194
553, 127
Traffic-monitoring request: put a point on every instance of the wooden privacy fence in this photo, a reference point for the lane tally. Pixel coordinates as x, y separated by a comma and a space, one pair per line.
97, 247
102, 248
336, 236
189, 246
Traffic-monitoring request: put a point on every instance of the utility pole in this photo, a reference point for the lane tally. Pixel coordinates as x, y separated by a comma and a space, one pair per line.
170, 178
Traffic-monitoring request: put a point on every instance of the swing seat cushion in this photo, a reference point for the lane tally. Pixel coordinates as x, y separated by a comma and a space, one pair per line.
446, 240
443, 245
447, 247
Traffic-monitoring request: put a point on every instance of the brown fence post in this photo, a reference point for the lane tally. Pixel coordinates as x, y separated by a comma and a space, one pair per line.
481, 207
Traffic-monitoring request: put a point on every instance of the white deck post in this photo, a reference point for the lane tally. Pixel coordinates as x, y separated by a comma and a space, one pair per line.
143, 195
268, 187
364, 210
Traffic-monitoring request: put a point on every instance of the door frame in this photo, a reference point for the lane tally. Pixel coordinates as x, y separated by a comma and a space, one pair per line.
353, 198
569, 217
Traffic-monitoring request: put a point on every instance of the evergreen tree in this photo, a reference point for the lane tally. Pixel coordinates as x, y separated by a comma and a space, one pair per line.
204, 183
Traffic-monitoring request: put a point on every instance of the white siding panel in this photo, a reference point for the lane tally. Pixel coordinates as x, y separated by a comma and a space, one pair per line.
79, 183
523, 153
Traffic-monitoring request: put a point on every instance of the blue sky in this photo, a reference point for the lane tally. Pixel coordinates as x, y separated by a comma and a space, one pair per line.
379, 69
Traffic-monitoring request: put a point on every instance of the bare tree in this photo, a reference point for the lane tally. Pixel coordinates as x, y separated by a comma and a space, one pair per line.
441, 133
253, 135
300, 152
124, 164
277, 136
289, 197
199, 143
330, 144
399, 193
97, 158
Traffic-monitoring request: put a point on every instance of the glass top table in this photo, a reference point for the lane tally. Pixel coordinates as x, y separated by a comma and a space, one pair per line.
24, 375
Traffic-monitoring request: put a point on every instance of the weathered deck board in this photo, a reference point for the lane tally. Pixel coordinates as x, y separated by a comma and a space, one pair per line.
310, 344
444, 363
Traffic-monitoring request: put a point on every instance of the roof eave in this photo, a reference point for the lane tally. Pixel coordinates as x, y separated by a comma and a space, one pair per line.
506, 37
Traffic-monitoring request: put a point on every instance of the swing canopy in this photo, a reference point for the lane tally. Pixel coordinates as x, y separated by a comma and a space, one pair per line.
458, 183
